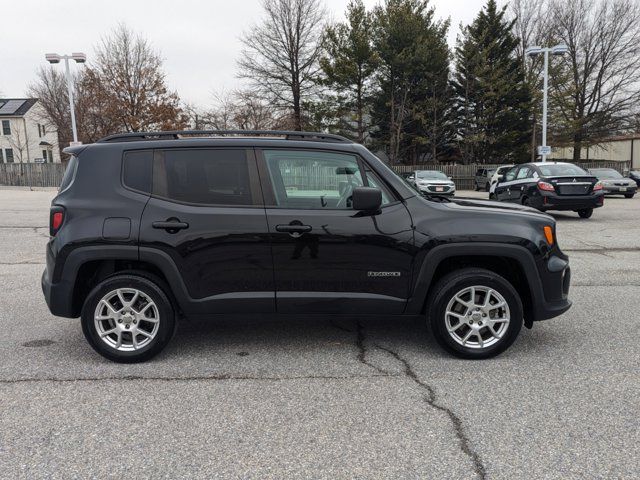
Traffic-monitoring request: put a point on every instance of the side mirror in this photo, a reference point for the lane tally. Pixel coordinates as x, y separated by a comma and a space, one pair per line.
366, 198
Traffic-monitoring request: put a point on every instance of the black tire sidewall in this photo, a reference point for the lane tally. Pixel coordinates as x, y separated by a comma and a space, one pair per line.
585, 213
455, 282
166, 328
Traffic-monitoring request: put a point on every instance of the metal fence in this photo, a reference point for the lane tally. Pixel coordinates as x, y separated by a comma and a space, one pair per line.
31, 174
463, 175
50, 174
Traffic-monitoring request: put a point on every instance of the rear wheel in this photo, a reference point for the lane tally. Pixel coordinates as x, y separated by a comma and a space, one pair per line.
585, 212
128, 318
475, 313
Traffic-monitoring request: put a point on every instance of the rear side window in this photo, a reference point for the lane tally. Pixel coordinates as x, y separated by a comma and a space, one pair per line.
136, 170
203, 176
69, 173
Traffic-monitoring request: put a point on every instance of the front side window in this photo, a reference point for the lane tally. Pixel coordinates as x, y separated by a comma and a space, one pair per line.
313, 179
6, 127
203, 176
511, 175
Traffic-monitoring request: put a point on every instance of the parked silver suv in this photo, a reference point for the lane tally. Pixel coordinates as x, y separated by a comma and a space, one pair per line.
482, 179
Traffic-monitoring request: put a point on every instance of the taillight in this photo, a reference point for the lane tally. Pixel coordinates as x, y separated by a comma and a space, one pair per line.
597, 186
56, 219
547, 187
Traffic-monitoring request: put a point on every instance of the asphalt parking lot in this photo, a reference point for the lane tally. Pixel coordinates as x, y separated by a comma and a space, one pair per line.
327, 399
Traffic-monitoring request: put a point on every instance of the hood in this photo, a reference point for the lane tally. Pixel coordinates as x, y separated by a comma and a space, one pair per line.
490, 204
434, 181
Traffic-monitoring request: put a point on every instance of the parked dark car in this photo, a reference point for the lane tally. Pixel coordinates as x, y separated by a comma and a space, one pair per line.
614, 183
149, 228
635, 176
551, 186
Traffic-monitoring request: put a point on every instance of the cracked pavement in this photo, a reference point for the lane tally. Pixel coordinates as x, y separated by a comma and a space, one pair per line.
302, 397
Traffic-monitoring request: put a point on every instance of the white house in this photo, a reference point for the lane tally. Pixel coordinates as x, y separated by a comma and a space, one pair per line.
24, 134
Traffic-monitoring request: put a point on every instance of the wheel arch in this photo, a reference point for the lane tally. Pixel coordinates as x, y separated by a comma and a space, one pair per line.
513, 262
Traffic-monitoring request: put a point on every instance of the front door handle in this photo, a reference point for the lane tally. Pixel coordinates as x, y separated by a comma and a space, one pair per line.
171, 225
293, 228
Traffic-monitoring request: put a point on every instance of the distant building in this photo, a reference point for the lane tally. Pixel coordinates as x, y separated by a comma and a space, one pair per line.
24, 136
623, 148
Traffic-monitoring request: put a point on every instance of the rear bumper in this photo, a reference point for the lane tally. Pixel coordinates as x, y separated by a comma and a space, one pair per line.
554, 201
59, 295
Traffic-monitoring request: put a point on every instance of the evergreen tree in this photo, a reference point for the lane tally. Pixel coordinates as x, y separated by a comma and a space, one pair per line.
348, 64
493, 101
411, 104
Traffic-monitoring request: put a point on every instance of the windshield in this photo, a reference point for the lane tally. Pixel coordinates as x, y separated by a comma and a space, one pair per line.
431, 174
561, 169
606, 174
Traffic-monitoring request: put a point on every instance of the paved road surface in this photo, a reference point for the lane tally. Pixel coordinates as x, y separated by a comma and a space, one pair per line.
302, 398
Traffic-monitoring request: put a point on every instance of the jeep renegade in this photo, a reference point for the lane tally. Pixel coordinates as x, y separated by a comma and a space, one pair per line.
149, 228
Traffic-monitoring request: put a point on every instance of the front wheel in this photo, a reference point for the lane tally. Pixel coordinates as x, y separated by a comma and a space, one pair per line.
128, 318
475, 313
629, 195
585, 212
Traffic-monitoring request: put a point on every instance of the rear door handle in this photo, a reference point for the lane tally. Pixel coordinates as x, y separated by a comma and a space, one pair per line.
171, 225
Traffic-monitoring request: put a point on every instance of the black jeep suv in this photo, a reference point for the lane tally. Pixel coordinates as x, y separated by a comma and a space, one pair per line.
148, 228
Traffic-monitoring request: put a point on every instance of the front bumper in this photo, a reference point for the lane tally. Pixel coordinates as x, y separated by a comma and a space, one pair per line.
619, 190
553, 201
437, 189
555, 274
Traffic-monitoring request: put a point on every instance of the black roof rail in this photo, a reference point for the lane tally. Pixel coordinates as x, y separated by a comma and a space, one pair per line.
178, 134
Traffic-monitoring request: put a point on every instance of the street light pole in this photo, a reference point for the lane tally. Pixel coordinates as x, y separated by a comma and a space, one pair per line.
544, 149
544, 102
79, 58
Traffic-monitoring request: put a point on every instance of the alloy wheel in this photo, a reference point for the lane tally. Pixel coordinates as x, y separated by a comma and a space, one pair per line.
126, 319
477, 317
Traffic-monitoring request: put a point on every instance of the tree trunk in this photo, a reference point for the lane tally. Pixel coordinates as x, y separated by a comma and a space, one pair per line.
577, 146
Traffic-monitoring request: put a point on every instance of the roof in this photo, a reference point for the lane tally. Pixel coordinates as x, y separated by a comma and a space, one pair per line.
16, 107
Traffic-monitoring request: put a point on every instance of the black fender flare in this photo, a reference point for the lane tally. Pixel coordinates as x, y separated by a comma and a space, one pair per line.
436, 255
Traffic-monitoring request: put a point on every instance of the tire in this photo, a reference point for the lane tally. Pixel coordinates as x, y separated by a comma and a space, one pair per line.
629, 195
459, 283
526, 202
585, 212
151, 314
492, 196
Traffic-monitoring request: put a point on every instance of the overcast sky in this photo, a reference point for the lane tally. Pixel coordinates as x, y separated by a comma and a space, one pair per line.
197, 39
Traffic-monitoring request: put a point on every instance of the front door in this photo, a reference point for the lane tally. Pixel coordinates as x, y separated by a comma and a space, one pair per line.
207, 215
329, 258
503, 189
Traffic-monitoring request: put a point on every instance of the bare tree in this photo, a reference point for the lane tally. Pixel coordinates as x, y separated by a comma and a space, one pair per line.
50, 88
280, 55
127, 77
240, 110
18, 141
598, 86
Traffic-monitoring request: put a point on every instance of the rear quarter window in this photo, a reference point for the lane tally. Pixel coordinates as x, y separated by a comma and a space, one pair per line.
136, 170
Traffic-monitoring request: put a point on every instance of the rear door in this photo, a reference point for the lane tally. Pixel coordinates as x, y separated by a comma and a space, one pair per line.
523, 178
329, 258
207, 216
